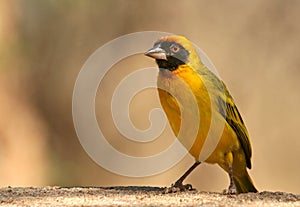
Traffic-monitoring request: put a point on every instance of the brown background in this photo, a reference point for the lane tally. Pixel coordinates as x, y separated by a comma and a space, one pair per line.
254, 45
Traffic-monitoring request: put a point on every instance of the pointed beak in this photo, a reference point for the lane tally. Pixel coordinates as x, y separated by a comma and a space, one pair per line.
156, 53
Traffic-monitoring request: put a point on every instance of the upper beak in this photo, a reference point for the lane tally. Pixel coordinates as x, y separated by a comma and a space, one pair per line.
157, 53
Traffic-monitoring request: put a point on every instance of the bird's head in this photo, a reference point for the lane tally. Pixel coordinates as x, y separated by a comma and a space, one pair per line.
170, 52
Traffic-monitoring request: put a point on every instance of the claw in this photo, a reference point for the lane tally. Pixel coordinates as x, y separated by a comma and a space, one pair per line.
231, 190
178, 186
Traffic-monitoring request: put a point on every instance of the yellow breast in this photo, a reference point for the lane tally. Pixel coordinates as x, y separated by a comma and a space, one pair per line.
181, 84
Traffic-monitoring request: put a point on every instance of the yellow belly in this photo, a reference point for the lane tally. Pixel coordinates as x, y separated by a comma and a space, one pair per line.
228, 141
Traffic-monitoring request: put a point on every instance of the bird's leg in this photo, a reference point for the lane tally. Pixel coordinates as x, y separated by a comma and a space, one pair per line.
232, 188
178, 186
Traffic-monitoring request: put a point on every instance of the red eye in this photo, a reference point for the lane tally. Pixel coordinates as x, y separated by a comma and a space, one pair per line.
174, 48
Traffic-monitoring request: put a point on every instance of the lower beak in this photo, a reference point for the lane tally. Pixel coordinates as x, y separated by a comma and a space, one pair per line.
157, 53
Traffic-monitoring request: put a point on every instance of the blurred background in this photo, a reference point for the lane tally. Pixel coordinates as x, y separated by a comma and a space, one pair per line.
254, 45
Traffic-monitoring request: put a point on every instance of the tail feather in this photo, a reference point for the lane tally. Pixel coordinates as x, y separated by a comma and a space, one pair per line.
244, 183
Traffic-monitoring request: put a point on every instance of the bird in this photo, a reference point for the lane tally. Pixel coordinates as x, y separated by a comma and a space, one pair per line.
179, 64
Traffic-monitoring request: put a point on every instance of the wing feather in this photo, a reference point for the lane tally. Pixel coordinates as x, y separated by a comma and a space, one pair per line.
234, 119
227, 108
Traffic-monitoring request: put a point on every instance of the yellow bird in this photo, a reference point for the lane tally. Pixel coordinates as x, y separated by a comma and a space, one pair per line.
178, 60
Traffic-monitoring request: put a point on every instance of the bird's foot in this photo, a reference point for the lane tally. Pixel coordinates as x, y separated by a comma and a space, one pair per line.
231, 190
178, 187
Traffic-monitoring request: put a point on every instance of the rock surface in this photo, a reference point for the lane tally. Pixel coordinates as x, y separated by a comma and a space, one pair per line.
136, 196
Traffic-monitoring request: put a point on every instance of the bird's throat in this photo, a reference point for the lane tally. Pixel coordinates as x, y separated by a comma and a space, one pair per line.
170, 64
